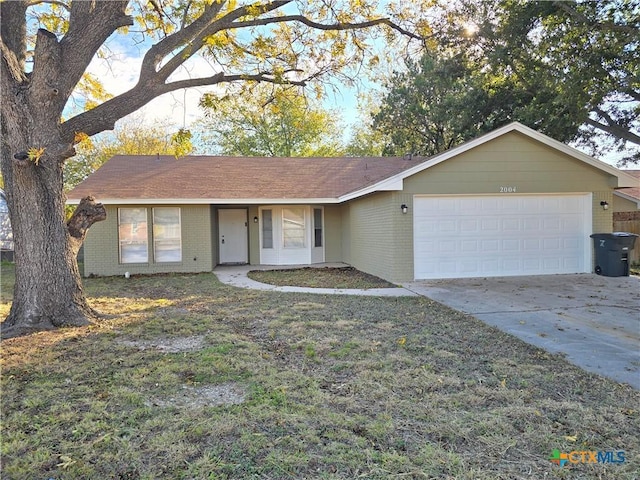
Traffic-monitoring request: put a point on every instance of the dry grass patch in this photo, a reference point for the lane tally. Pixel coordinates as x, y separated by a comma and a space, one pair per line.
319, 277
196, 380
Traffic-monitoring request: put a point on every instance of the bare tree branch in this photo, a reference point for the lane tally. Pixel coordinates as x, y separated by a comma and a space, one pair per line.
322, 26
79, 47
267, 77
198, 41
33, 3
192, 38
613, 128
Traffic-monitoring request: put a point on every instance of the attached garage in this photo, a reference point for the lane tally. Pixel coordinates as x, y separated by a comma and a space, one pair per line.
458, 236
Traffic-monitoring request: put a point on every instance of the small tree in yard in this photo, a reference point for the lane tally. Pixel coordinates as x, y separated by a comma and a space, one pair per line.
279, 41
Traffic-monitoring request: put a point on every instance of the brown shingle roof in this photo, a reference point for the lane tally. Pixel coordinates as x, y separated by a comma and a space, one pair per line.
234, 178
633, 191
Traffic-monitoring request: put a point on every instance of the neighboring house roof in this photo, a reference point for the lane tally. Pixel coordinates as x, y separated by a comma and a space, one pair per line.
633, 193
210, 179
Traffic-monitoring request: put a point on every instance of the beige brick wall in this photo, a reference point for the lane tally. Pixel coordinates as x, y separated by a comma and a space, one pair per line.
403, 232
372, 238
623, 205
101, 245
602, 219
333, 233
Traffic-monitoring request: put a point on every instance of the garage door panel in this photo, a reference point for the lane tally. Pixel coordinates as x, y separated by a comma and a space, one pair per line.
469, 226
510, 224
533, 225
490, 245
531, 245
501, 235
490, 225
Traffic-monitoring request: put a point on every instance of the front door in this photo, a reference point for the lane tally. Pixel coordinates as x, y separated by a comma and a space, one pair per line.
233, 237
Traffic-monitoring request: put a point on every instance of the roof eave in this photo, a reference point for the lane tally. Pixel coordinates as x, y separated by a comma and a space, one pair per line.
210, 201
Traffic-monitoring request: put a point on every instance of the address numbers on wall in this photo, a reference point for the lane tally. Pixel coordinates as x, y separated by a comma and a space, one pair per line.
508, 189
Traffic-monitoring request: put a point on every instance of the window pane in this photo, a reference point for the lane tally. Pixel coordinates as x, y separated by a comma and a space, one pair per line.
167, 237
317, 227
293, 227
267, 229
132, 235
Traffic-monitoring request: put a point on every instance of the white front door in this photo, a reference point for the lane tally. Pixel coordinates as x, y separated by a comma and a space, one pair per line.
489, 235
233, 236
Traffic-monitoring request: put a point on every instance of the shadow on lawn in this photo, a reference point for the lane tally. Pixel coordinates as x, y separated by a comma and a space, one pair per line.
322, 387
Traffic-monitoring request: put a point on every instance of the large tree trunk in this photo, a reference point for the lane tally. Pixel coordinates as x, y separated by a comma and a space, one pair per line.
48, 290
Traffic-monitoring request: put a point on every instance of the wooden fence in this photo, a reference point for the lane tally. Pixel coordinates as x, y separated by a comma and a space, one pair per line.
629, 222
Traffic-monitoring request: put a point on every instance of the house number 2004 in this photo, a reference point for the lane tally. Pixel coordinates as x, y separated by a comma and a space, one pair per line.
507, 189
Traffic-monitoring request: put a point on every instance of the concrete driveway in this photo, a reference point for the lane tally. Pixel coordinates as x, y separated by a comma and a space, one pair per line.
594, 320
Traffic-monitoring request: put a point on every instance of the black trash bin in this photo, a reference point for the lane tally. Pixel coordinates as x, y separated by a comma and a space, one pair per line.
612, 253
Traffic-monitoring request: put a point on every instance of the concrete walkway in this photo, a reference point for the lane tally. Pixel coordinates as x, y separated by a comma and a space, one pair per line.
236, 275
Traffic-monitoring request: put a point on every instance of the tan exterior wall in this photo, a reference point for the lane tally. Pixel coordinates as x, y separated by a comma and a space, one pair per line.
254, 236
345, 233
512, 160
372, 234
623, 205
101, 245
333, 233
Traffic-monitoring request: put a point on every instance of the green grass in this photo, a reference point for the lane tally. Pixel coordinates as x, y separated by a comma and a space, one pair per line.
191, 379
320, 277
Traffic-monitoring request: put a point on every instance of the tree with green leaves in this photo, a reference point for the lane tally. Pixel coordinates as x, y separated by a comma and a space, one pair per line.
272, 121
434, 105
569, 70
129, 137
46, 48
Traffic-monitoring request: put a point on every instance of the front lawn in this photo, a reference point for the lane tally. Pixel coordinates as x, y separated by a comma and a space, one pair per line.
191, 379
320, 277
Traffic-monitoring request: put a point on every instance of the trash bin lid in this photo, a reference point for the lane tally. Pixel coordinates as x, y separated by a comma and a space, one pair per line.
613, 235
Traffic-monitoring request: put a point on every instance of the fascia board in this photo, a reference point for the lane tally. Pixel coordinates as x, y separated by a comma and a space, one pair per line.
210, 201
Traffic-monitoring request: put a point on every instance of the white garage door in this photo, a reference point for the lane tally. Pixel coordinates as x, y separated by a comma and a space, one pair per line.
489, 236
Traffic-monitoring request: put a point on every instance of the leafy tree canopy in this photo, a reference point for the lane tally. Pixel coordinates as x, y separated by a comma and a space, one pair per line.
570, 70
271, 122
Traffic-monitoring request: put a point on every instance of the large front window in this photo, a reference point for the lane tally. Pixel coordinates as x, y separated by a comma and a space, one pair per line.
167, 241
132, 233
293, 227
